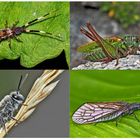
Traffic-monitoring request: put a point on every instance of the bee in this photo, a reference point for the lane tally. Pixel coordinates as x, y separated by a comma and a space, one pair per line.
10, 103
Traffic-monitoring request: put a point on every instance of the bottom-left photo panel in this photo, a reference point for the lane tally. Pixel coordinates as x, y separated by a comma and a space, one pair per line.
34, 103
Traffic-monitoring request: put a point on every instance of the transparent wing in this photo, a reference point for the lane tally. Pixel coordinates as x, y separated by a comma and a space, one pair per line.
93, 112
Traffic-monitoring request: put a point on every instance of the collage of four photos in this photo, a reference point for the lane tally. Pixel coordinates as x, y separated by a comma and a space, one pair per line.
70, 69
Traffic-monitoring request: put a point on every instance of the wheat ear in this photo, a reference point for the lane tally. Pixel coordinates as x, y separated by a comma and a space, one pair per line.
39, 91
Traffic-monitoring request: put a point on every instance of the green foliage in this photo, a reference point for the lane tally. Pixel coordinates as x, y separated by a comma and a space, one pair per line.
127, 13
105, 86
34, 48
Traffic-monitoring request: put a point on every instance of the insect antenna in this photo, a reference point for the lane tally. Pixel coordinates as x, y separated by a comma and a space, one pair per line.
21, 82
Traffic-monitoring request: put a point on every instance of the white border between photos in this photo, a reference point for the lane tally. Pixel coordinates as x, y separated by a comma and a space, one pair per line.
69, 138
71, 0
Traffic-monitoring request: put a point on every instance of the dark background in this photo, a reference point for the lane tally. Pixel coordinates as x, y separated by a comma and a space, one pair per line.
56, 63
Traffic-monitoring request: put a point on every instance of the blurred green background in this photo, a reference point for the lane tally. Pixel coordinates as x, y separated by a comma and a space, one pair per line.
105, 86
127, 13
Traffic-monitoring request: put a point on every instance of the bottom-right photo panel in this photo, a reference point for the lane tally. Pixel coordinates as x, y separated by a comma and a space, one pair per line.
105, 104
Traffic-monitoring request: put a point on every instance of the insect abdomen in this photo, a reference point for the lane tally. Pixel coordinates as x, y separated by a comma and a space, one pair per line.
109, 117
6, 33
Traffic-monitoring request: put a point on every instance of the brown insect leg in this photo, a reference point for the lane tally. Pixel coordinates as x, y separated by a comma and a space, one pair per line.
87, 33
107, 60
117, 60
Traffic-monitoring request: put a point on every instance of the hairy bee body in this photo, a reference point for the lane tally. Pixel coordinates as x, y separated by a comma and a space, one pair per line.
8, 105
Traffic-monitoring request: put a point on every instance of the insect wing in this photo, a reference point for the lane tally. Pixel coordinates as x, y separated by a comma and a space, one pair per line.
90, 112
91, 51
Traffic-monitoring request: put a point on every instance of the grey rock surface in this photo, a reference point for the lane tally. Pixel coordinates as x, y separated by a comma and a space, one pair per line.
131, 62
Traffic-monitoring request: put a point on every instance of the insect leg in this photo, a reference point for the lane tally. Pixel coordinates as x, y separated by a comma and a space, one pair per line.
9, 40
117, 121
3, 124
95, 123
14, 25
6, 24
42, 18
34, 20
17, 39
103, 44
117, 60
48, 34
136, 117
88, 34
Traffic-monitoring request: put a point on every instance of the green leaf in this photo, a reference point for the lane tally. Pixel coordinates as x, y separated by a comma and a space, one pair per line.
34, 48
105, 86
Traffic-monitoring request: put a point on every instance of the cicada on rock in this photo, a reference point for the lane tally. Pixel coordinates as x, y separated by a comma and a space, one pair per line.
103, 111
108, 49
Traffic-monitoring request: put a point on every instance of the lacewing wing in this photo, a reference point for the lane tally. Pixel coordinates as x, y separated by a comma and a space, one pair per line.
103, 111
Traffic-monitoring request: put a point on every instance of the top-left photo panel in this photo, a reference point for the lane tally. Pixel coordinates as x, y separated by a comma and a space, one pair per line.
34, 35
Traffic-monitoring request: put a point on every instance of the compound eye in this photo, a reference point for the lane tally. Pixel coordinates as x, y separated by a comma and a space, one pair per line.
15, 96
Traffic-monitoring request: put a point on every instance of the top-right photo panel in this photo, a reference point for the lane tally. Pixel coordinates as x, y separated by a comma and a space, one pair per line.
105, 35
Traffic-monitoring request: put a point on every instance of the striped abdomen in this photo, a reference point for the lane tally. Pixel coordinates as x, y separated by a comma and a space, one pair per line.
5, 34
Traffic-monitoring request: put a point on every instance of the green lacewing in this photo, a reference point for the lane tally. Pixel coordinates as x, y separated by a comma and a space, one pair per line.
108, 49
103, 111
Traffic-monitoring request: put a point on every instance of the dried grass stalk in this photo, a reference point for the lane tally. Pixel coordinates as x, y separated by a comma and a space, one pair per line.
40, 90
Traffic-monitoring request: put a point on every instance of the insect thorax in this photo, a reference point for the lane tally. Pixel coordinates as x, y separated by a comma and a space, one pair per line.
131, 41
132, 107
